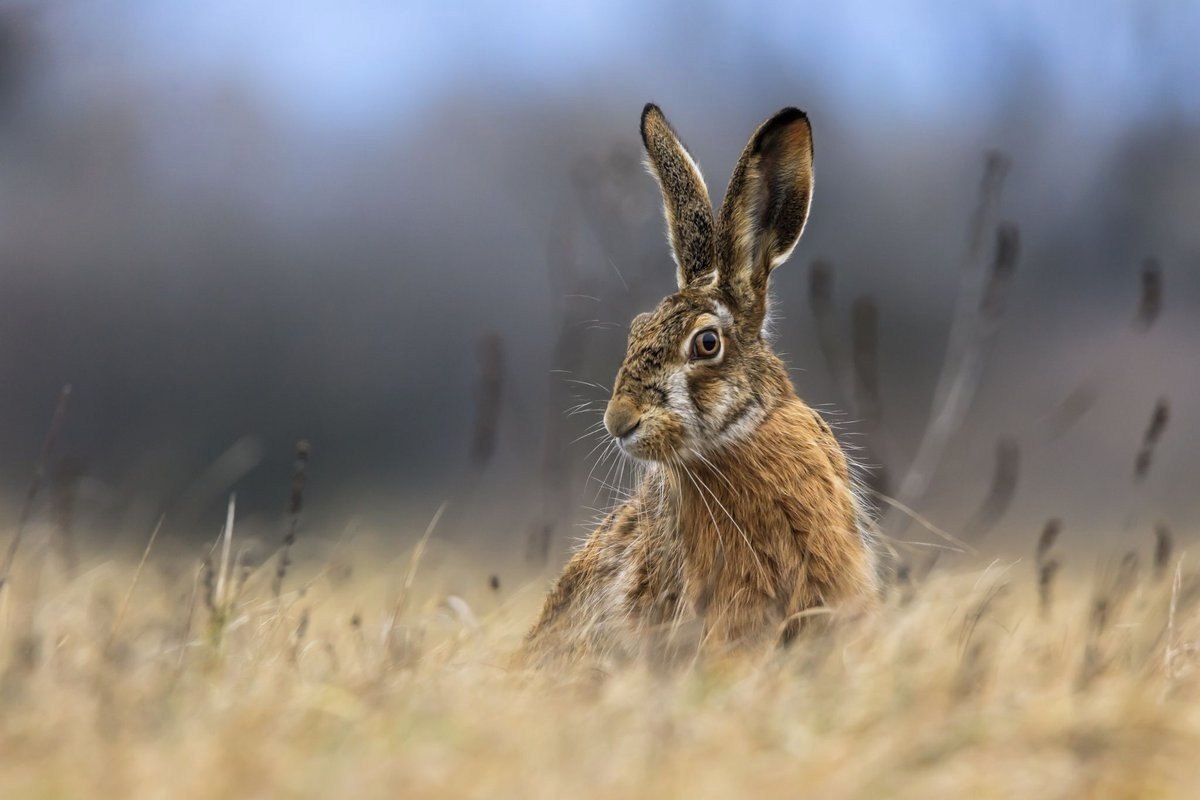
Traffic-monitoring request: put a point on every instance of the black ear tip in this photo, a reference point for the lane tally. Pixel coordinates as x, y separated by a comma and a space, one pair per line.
776, 124
789, 115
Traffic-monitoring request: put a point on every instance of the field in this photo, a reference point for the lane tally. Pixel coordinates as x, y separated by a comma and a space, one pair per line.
363, 678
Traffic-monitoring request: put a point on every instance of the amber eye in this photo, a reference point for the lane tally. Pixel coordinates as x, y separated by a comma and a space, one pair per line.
706, 344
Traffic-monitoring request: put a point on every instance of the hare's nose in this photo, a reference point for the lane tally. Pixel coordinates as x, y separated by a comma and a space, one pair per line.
622, 417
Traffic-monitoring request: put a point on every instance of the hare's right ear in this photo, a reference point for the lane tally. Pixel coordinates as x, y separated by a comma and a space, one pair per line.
685, 199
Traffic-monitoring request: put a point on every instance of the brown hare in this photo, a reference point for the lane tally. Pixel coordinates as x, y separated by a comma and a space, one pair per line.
746, 513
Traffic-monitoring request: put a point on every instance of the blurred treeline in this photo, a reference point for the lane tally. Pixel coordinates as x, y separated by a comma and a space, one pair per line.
415, 239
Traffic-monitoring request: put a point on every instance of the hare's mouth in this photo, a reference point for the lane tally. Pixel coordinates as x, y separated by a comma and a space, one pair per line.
653, 436
631, 434
629, 440
647, 442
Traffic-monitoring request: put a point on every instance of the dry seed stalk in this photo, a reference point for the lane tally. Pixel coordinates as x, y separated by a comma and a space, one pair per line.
1154, 432
1049, 536
295, 506
1163, 546
1047, 571
209, 583
1047, 567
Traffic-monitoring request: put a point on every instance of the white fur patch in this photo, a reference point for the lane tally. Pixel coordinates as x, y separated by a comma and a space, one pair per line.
680, 402
721, 409
744, 427
691, 162
723, 313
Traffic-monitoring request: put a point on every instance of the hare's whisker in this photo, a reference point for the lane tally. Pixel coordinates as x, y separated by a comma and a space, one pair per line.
714, 468
596, 447
707, 507
588, 383
591, 431
745, 538
615, 453
607, 444
616, 490
577, 407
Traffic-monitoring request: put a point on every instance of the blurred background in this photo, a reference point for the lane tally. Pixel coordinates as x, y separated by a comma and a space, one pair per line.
414, 233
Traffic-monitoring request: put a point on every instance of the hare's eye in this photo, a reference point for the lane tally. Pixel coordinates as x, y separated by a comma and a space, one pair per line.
706, 344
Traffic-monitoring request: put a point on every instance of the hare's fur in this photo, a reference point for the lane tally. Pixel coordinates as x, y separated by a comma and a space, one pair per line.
746, 514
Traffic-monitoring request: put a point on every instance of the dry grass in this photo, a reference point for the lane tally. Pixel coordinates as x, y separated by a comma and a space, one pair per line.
961, 688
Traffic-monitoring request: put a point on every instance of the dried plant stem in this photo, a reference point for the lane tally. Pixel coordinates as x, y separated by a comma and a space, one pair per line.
1002, 491
972, 332
867, 396
413, 563
137, 573
924, 522
856, 377
487, 405
226, 550
35, 483
186, 629
1169, 650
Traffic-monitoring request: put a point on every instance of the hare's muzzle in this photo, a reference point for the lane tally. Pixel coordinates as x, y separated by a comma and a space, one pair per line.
622, 417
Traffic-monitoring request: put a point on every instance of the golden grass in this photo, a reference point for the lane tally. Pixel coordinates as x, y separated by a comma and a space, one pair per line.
961, 689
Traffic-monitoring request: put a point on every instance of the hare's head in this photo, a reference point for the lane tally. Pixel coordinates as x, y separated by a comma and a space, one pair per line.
698, 373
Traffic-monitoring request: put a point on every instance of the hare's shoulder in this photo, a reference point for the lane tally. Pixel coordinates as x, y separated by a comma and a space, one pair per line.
590, 575
618, 552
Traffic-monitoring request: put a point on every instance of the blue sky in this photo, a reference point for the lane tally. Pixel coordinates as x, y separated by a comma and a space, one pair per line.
339, 64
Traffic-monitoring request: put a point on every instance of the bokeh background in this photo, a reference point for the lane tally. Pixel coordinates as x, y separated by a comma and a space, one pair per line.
413, 233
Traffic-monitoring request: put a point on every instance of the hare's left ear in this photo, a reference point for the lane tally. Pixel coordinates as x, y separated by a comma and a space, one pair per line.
765, 208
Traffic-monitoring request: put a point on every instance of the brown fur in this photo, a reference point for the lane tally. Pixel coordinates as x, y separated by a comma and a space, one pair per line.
746, 515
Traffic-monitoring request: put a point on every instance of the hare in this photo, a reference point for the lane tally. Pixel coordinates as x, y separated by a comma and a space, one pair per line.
746, 513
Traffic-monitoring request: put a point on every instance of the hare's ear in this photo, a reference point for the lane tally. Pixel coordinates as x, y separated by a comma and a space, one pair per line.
764, 211
685, 199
